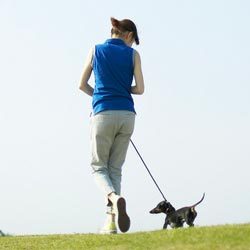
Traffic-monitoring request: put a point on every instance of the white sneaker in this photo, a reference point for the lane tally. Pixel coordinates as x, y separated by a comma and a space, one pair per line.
119, 205
109, 227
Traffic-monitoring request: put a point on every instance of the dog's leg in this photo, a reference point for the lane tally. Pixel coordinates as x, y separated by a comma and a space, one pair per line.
191, 217
166, 223
190, 223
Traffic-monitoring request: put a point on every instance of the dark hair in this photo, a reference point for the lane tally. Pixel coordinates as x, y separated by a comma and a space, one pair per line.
119, 27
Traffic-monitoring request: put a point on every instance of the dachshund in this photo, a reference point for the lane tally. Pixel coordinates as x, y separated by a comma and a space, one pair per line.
176, 218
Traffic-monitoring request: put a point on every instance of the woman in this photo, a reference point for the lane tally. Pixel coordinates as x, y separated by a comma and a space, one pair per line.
114, 64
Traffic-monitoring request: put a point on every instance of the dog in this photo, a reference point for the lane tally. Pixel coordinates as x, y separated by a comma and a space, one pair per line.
176, 218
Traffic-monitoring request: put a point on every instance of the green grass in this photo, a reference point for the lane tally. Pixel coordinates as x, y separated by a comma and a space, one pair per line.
236, 237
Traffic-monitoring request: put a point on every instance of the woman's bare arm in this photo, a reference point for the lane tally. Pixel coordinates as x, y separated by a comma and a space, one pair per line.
87, 70
138, 89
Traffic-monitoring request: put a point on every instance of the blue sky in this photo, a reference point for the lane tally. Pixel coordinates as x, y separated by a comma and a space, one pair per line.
192, 125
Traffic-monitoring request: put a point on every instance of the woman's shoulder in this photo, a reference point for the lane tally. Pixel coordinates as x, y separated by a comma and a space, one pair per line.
136, 54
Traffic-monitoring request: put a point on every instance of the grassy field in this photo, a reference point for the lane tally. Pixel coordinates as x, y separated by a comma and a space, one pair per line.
235, 237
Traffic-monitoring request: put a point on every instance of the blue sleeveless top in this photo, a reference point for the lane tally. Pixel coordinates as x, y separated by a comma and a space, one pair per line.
113, 68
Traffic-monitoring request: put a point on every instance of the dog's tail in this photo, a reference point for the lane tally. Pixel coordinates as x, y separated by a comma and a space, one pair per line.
202, 198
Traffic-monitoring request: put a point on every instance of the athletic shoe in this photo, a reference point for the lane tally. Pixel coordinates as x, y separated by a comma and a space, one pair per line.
123, 218
109, 227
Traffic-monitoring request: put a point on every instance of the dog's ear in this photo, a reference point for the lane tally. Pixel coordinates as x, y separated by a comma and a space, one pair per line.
163, 206
170, 208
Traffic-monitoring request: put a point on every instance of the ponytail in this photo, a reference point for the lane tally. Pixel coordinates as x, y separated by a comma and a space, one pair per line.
119, 27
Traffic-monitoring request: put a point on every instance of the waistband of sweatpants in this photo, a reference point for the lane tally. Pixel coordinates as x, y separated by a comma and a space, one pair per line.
114, 112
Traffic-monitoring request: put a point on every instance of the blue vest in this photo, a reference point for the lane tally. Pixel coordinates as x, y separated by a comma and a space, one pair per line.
113, 69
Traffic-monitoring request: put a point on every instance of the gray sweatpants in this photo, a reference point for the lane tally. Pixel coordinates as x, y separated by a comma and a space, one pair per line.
110, 134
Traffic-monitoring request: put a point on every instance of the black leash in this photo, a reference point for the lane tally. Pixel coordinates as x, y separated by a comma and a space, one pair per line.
148, 170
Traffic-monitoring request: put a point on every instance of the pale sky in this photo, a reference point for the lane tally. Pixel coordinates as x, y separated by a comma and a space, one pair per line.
192, 125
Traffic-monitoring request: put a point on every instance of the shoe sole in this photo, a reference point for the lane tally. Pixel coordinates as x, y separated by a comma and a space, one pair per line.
108, 232
123, 219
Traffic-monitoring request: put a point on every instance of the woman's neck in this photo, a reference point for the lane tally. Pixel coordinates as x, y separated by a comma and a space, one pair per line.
114, 36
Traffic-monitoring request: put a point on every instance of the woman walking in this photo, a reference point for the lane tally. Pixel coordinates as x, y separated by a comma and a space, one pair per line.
114, 63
